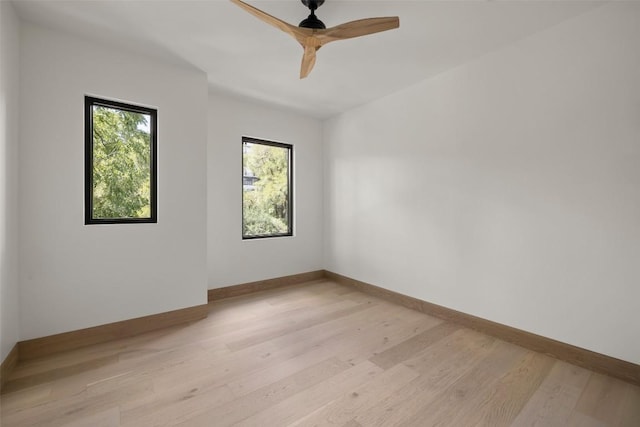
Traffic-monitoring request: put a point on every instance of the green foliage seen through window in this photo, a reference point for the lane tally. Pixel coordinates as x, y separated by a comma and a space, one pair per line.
266, 193
121, 164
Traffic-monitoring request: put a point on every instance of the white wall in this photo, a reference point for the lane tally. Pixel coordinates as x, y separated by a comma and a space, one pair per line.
231, 260
506, 188
9, 104
75, 276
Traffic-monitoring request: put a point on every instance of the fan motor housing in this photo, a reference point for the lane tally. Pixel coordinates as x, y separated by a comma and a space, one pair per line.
312, 20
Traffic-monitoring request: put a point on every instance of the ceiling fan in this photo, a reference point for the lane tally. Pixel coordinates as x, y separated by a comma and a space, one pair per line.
312, 34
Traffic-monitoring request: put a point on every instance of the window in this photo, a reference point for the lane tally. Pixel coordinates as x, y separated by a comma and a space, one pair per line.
120, 162
266, 189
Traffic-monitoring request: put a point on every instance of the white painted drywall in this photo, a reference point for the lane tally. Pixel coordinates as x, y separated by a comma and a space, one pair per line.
9, 105
74, 275
231, 260
507, 188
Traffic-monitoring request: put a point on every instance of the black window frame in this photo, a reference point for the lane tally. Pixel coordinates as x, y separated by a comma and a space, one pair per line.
289, 147
89, 102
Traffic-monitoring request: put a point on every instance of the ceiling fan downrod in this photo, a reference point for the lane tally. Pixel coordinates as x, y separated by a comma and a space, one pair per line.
312, 20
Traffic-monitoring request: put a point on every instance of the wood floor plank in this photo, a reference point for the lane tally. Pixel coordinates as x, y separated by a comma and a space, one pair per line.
316, 354
308, 400
556, 398
298, 319
24, 399
51, 375
320, 337
462, 345
107, 418
437, 375
270, 395
217, 337
603, 398
500, 405
578, 419
409, 347
359, 401
233, 322
464, 397
169, 363
321, 343
76, 408
171, 407
630, 409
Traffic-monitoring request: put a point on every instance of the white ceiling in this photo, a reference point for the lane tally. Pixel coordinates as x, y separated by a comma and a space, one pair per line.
246, 57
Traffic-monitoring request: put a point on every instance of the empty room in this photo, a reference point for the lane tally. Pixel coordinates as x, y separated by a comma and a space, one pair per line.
306, 213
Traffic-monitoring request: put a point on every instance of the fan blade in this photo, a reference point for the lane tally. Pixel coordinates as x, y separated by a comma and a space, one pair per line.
308, 60
361, 27
298, 33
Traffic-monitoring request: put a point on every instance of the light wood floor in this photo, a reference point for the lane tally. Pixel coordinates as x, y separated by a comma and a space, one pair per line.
318, 354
